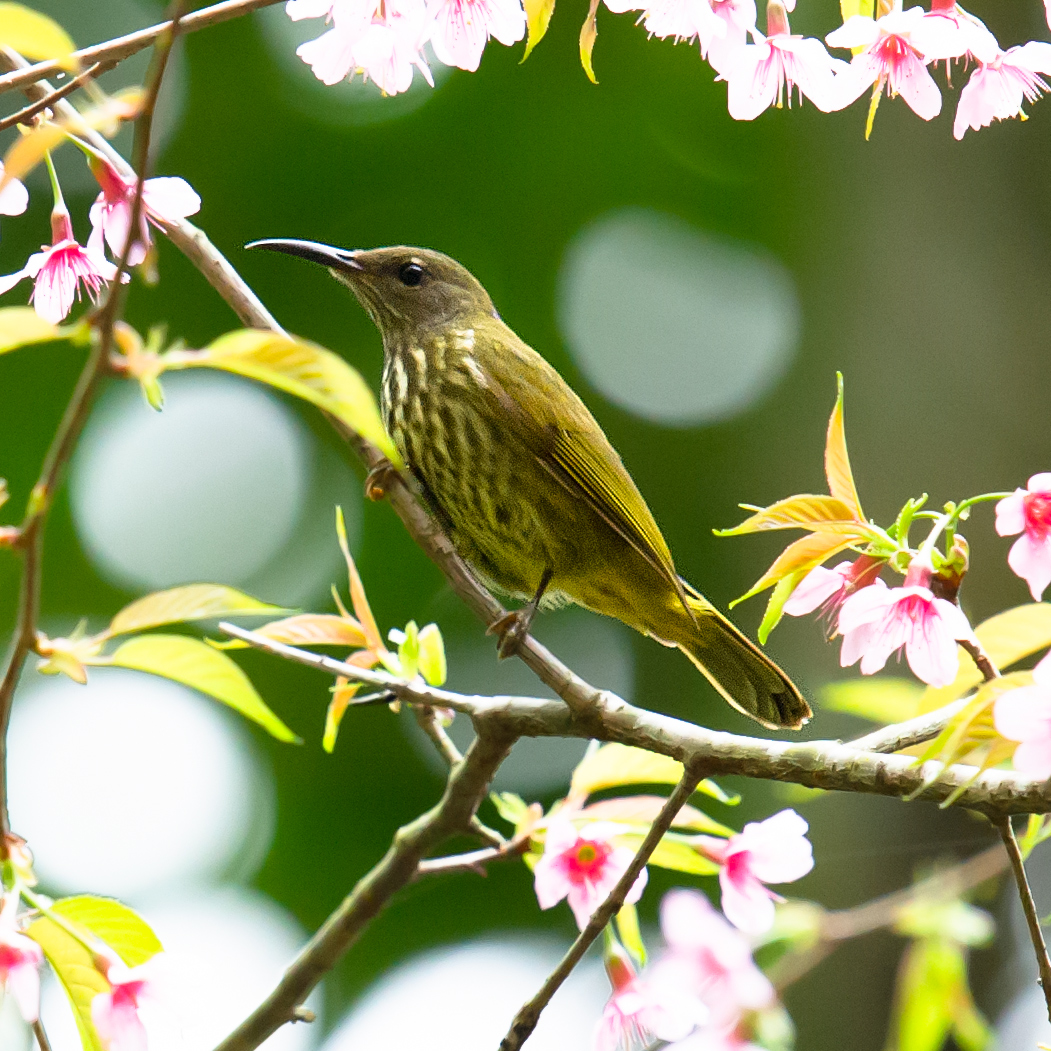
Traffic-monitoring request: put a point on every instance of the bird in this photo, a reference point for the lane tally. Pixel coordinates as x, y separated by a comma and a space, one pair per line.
521, 477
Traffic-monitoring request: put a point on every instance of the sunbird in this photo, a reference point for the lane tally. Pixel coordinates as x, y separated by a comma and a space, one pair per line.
522, 478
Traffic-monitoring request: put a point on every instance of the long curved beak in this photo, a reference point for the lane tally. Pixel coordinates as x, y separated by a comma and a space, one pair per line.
341, 259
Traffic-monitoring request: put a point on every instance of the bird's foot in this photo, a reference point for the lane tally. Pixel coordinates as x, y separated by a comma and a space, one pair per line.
510, 630
378, 480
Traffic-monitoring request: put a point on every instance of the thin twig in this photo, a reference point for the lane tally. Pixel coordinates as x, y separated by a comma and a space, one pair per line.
923, 728
982, 661
48, 100
125, 46
527, 1018
428, 721
1025, 894
473, 860
41, 1036
465, 790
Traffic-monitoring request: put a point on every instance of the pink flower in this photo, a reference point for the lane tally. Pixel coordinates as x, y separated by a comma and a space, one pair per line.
164, 200
709, 959
827, 589
997, 90
461, 28
1028, 511
59, 270
758, 73
582, 866
20, 961
681, 19
947, 31
1024, 715
14, 197
382, 39
889, 57
772, 851
115, 1014
877, 621
738, 17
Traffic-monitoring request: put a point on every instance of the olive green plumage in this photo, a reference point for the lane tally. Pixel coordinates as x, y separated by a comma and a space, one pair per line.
521, 476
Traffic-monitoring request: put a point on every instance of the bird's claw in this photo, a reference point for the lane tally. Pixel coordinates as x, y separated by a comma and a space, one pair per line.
509, 630
378, 480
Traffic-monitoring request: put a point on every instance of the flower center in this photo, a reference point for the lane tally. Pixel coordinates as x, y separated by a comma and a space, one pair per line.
587, 859
1037, 514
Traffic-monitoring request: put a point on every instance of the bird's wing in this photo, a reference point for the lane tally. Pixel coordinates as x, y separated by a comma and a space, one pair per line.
570, 444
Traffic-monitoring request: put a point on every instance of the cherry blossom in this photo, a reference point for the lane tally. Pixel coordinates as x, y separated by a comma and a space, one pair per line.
20, 961
947, 31
1028, 511
997, 90
1024, 715
583, 866
827, 589
681, 19
878, 621
739, 18
59, 270
772, 851
889, 58
14, 197
164, 200
461, 28
116, 1014
757, 74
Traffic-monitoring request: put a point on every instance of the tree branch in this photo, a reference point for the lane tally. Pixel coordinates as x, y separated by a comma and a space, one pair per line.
1025, 893
120, 48
525, 1021
924, 727
46, 101
464, 791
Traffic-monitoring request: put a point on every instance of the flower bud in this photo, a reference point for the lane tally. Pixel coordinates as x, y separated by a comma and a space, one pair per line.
777, 18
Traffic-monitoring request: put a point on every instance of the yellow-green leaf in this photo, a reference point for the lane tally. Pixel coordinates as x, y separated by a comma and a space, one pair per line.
35, 36
20, 326
192, 602
341, 698
123, 930
297, 367
643, 810
849, 8
631, 934
1008, 637
837, 462
775, 605
880, 699
588, 35
538, 16
3, 491
432, 662
195, 664
800, 556
673, 852
613, 765
315, 629
803, 511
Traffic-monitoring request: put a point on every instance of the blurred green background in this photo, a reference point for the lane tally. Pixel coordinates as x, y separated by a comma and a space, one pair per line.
698, 281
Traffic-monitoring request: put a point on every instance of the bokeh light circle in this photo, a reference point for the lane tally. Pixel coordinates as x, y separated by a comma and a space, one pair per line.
462, 998
674, 324
133, 783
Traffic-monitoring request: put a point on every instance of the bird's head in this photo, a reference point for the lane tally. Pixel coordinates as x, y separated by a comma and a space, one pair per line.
404, 290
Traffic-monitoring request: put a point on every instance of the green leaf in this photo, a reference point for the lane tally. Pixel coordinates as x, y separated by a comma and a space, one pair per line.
297, 367
538, 17
588, 35
409, 650
433, 666
800, 557
631, 934
1008, 637
804, 511
953, 919
674, 852
195, 664
881, 700
775, 605
192, 602
511, 807
643, 810
20, 326
35, 36
613, 765
123, 930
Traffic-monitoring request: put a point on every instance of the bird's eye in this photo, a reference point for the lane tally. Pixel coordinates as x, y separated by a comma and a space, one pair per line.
411, 274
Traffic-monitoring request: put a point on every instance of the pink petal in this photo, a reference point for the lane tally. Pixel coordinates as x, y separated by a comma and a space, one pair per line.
754, 80
1031, 560
778, 849
14, 197
170, 198
746, 903
931, 650
549, 882
1042, 672
8, 281
1010, 511
867, 606
331, 55
688, 920
856, 31
23, 983
912, 80
1033, 758
855, 644
1024, 714
1034, 56
297, 9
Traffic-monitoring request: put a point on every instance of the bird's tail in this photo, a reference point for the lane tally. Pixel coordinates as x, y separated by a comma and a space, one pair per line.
740, 670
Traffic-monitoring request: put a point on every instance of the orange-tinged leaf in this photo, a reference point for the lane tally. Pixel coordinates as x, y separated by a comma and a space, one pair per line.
804, 511
643, 810
315, 629
800, 556
538, 16
297, 367
20, 326
1006, 638
588, 35
358, 598
837, 462
341, 698
201, 667
35, 36
191, 602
